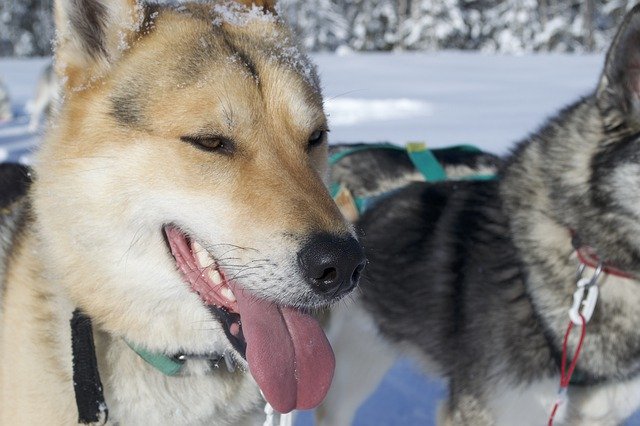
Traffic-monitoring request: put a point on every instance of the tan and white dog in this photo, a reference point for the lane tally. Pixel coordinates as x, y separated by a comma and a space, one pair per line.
178, 202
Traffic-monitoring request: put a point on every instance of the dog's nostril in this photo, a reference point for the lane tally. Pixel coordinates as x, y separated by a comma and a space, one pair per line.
330, 274
357, 273
331, 264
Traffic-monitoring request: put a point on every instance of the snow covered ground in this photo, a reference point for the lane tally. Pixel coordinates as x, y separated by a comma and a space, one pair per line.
444, 99
448, 98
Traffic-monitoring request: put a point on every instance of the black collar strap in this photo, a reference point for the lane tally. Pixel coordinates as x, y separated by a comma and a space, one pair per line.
86, 378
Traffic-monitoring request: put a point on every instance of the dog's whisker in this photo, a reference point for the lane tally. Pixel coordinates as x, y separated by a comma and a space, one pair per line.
240, 267
94, 157
339, 95
241, 275
137, 236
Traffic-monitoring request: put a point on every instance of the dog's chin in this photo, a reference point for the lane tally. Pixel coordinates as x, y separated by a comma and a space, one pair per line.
285, 348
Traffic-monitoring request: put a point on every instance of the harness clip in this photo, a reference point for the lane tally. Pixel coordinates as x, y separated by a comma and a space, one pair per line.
586, 296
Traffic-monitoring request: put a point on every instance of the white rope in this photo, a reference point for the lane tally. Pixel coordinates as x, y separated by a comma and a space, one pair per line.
268, 411
285, 419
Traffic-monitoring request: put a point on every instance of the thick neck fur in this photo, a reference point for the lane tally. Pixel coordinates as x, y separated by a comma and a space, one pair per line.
36, 359
548, 189
37, 362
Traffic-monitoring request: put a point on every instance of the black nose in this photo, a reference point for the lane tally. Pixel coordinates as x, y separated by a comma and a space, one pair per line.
331, 264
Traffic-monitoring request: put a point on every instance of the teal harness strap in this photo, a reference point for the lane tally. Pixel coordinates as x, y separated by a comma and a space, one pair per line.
422, 158
480, 177
338, 156
426, 162
334, 189
165, 364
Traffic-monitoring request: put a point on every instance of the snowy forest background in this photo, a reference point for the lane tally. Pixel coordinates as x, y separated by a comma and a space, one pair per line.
509, 26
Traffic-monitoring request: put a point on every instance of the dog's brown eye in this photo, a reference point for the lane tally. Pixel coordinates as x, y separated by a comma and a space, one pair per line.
210, 143
317, 138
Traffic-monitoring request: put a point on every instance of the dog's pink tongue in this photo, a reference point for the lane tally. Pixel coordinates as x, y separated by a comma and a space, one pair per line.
288, 353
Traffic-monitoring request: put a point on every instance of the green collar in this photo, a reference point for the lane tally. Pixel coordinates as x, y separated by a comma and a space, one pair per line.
167, 365
172, 365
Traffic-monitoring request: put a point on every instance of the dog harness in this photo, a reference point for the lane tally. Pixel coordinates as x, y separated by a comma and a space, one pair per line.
422, 158
87, 385
582, 308
172, 365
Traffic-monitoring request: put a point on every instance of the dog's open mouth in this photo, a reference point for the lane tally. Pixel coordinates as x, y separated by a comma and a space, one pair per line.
287, 351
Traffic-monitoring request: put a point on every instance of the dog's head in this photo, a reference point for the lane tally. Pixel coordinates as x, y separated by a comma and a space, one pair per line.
180, 193
581, 171
613, 226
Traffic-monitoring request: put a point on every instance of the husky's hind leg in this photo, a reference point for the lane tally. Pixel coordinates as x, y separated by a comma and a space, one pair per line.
362, 359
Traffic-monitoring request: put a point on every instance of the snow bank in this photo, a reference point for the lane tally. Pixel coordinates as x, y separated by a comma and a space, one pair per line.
351, 111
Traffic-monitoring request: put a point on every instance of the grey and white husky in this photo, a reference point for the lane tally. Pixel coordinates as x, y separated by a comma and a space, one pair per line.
477, 279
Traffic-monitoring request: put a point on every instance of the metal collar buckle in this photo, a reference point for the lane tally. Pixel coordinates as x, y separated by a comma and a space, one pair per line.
214, 359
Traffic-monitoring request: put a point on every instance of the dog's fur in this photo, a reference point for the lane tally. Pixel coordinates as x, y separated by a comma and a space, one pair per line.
148, 90
475, 279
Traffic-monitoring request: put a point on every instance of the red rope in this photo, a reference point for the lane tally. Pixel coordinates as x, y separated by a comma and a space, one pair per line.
565, 376
588, 256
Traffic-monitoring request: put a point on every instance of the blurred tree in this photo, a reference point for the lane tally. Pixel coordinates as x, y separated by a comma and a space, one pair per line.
321, 23
26, 27
588, 8
510, 26
373, 23
432, 25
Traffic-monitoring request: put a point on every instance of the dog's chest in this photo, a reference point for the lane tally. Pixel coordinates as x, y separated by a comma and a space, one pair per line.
608, 404
525, 404
531, 404
137, 394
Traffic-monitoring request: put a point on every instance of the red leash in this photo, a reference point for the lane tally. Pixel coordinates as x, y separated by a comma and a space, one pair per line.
589, 257
584, 301
565, 375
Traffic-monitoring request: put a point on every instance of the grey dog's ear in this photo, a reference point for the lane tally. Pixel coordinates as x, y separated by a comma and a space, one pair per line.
92, 34
619, 90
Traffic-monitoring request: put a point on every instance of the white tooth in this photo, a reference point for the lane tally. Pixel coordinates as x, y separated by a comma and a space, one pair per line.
215, 277
204, 259
228, 294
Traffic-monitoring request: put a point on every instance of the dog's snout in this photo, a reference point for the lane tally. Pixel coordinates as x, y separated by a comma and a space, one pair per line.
332, 264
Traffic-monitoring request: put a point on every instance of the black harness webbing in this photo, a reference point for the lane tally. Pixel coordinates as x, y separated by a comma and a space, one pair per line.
86, 378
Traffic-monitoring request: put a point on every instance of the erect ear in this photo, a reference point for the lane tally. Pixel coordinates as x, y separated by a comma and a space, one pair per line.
91, 35
266, 5
619, 90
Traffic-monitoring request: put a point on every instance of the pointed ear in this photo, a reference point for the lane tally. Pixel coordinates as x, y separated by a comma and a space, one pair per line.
91, 35
266, 5
619, 90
